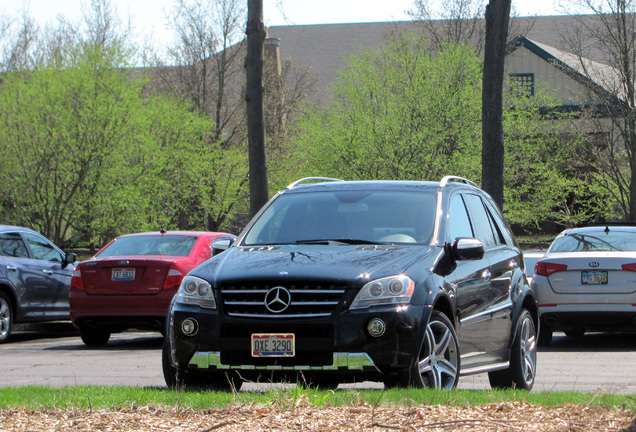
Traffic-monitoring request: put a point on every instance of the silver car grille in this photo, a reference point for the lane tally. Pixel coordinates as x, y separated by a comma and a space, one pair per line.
281, 301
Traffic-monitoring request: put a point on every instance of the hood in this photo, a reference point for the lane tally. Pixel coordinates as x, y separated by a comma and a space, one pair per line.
309, 263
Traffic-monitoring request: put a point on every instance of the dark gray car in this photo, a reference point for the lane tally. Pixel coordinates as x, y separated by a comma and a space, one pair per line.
35, 277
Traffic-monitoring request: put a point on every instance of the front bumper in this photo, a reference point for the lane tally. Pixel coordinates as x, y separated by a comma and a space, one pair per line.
339, 344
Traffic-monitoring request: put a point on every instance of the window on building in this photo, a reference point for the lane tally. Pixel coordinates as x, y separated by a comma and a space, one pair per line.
522, 84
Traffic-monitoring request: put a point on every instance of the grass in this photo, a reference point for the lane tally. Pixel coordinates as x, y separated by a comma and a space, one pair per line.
287, 398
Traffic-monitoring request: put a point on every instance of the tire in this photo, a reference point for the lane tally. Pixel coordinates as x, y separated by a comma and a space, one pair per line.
6, 317
177, 378
94, 337
523, 358
438, 362
545, 336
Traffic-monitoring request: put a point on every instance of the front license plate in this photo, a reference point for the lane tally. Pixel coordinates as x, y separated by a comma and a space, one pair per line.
123, 274
273, 345
594, 278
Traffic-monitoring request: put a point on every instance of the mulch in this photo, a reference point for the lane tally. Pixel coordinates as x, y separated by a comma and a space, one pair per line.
305, 417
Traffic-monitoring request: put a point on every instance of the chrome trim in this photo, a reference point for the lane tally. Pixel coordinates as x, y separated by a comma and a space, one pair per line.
348, 361
482, 369
247, 315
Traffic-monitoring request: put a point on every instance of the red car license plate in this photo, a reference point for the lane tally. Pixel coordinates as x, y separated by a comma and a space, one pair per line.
123, 274
273, 345
594, 278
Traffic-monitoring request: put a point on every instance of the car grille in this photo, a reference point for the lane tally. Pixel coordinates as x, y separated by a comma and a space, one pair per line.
281, 301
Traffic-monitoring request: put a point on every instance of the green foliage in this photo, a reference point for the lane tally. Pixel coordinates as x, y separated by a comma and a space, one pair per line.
89, 154
400, 113
546, 179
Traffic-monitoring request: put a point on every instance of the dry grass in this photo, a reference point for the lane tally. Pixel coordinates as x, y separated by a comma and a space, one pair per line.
513, 416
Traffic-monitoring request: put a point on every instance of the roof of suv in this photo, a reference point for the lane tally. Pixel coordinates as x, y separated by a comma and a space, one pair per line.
320, 183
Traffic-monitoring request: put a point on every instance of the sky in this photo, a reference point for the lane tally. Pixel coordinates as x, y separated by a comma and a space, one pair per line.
148, 16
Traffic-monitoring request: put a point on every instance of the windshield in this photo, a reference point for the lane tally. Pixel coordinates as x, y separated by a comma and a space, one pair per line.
172, 245
595, 241
349, 217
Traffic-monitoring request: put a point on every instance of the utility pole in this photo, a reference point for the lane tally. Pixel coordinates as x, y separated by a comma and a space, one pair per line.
259, 191
492, 153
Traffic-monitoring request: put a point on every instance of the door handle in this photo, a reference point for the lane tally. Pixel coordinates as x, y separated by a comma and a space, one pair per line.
486, 275
12, 268
48, 272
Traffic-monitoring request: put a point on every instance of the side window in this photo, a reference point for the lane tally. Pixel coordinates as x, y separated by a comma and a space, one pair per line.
500, 225
458, 222
42, 250
481, 220
11, 245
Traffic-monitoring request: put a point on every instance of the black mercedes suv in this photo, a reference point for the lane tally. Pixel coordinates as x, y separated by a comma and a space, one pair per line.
408, 283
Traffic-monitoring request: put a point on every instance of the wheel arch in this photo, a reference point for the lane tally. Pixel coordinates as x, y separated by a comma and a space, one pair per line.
6, 289
525, 300
443, 304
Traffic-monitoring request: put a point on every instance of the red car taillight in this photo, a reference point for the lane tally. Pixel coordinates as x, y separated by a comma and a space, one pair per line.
173, 279
76, 281
547, 268
629, 267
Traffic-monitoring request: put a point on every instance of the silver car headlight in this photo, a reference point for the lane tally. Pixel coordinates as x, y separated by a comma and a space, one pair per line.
196, 291
388, 290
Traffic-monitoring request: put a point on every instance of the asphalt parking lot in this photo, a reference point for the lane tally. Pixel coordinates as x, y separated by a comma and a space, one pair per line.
54, 355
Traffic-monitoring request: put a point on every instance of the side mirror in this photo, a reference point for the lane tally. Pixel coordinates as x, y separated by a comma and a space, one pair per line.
221, 245
468, 249
69, 258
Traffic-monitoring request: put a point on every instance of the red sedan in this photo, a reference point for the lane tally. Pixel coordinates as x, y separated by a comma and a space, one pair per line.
130, 282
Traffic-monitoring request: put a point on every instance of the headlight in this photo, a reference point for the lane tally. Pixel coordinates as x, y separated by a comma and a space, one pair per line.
389, 290
196, 291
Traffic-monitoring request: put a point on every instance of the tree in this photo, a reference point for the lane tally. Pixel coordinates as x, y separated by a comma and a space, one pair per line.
400, 113
611, 29
456, 21
492, 160
259, 187
206, 60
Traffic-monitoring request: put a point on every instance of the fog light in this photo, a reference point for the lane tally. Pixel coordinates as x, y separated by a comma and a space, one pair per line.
189, 327
376, 327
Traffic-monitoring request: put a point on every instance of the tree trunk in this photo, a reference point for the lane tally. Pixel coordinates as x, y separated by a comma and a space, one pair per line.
259, 191
492, 155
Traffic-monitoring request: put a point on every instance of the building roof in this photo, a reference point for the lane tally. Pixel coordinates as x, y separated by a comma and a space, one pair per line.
601, 78
324, 48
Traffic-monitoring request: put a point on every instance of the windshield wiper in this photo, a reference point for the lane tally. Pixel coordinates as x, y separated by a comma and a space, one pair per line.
336, 241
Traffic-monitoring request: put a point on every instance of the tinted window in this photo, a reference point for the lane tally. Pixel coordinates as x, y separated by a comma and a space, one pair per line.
481, 221
42, 250
170, 245
11, 244
595, 241
459, 224
374, 216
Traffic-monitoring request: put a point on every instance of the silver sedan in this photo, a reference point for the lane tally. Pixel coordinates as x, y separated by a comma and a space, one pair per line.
587, 282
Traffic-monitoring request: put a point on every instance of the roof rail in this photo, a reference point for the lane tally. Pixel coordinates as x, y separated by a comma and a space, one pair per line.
448, 179
312, 179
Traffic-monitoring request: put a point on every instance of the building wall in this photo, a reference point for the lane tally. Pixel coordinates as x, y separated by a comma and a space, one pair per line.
547, 75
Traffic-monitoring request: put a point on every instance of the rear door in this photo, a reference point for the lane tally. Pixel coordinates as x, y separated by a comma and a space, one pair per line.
52, 278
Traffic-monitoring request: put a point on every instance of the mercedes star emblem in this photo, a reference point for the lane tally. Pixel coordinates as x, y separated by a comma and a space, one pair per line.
277, 299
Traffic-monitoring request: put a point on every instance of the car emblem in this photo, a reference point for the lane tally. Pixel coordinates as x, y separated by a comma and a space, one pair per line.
594, 264
277, 299
123, 262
